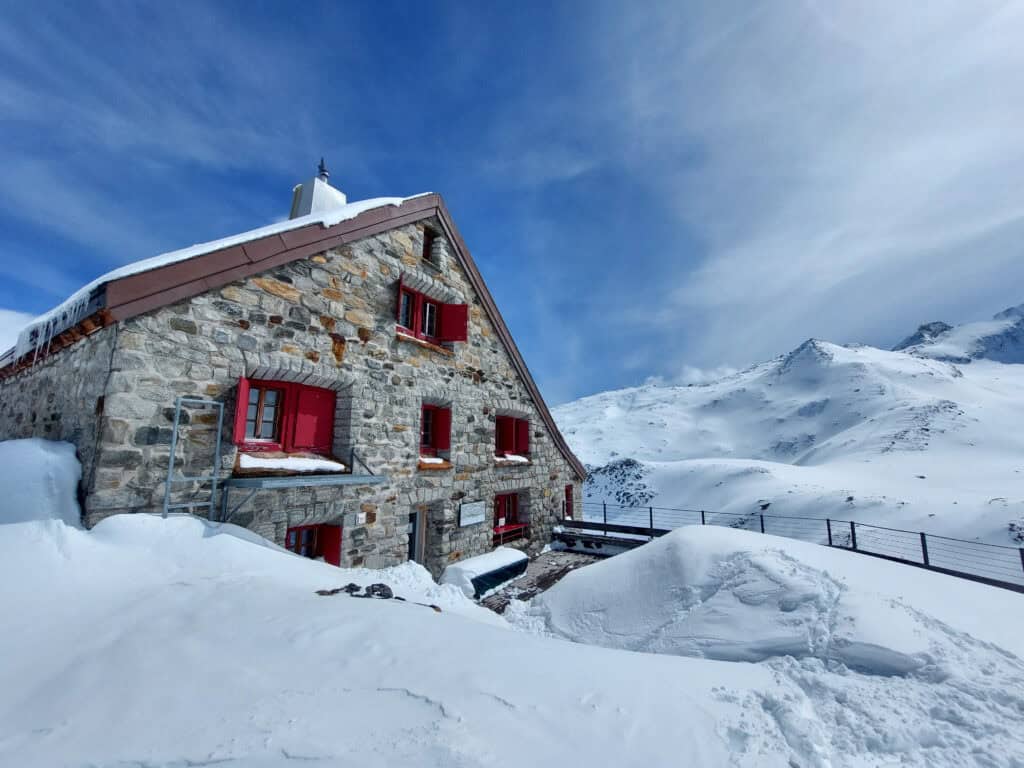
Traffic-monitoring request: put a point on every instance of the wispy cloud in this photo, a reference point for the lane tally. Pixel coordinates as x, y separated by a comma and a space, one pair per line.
850, 154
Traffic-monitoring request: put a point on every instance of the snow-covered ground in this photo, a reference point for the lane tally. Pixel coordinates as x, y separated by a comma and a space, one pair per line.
856, 433
179, 642
873, 663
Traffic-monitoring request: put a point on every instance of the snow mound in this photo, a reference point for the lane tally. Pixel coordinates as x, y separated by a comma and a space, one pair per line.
691, 594
872, 659
39, 481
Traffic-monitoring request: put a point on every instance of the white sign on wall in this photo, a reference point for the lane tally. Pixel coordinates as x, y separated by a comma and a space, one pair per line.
472, 512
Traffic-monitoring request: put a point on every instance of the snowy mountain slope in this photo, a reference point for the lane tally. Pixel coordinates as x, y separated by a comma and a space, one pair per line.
181, 642
1000, 339
826, 431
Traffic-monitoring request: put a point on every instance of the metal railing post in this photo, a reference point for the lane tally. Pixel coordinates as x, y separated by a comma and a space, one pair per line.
650, 511
853, 534
762, 523
604, 506
702, 517
924, 548
1022, 558
828, 525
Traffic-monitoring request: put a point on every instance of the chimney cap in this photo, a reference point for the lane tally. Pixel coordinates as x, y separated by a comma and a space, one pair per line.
322, 171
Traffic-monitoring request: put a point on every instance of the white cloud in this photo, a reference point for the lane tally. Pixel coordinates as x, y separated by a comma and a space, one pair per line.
855, 165
11, 323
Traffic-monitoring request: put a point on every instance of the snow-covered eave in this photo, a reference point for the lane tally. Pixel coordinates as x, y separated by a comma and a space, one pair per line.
81, 304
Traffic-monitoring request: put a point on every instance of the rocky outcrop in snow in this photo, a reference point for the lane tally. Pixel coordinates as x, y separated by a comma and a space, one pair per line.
1000, 339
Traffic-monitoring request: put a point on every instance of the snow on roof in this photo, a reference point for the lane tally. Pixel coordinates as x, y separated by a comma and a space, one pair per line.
67, 312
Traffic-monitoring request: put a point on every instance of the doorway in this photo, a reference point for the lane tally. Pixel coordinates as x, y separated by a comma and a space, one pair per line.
417, 535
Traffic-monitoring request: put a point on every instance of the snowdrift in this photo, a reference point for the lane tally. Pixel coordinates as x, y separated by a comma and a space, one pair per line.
910, 655
39, 481
174, 642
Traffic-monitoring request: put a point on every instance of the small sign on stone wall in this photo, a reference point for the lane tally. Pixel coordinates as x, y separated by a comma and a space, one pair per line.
472, 512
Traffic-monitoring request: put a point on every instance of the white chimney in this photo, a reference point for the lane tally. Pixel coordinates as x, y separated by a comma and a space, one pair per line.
316, 195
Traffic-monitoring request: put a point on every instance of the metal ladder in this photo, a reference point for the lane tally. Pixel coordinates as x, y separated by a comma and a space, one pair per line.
212, 478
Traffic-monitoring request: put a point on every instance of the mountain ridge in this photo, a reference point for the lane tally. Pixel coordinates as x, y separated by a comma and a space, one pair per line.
914, 438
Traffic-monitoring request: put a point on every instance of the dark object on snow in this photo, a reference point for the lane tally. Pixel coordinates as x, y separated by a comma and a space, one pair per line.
765, 505
352, 588
328, 592
488, 581
383, 591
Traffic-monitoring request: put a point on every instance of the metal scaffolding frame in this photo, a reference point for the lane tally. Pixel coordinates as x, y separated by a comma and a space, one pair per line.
212, 478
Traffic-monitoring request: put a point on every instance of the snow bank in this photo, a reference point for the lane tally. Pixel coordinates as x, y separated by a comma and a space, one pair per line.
466, 574
112, 636
878, 663
719, 595
289, 463
39, 481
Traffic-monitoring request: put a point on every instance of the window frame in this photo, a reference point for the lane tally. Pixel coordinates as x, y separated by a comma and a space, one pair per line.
428, 438
426, 303
515, 527
440, 429
517, 433
450, 321
429, 236
278, 406
288, 413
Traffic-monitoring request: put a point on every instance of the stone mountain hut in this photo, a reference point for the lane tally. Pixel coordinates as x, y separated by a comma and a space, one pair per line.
341, 383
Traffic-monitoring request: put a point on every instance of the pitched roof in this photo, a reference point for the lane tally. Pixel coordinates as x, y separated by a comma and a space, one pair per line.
154, 283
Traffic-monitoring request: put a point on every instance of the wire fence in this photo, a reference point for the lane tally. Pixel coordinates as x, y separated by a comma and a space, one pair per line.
989, 563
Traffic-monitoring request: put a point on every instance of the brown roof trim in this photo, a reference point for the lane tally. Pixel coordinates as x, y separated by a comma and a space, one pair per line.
477, 280
145, 291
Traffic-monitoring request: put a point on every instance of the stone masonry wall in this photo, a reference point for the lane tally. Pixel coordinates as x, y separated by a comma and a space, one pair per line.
329, 320
61, 397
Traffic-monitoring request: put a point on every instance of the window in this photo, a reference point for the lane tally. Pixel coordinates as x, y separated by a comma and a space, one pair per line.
406, 309
429, 326
282, 416
511, 436
262, 419
425, 318
435, 430
568, 502
509, 524
315, 541
428, 246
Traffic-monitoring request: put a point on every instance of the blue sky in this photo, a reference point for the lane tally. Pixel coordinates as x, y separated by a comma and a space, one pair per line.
651, 190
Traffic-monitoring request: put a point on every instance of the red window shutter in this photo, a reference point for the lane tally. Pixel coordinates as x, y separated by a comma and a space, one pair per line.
522, 437
330, 543
453, 324
503, 435
568, 502
314, 420
442, 429
241, 409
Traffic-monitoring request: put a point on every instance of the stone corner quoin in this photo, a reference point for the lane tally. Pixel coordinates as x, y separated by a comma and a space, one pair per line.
326, 320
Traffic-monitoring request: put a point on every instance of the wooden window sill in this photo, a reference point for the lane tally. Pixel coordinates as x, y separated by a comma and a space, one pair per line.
430, 466
425, 344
